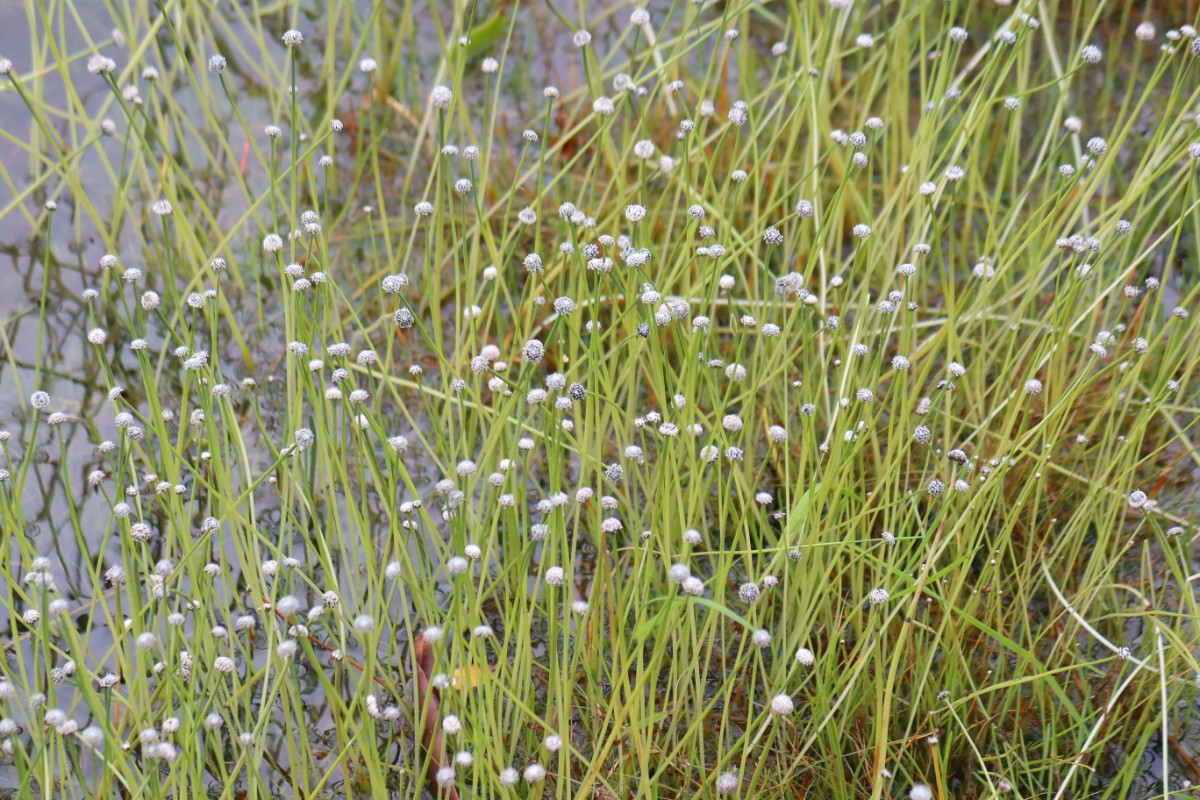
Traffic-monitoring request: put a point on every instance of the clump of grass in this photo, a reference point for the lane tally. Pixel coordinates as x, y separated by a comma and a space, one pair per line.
790, 399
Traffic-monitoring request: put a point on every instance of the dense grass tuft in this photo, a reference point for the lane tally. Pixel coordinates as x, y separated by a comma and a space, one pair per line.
799, 400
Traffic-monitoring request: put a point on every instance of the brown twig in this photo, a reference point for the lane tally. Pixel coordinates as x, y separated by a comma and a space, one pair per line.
329, 648
431, 734
427, 698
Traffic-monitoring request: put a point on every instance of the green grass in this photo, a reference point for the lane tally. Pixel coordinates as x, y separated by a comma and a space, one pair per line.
850, 464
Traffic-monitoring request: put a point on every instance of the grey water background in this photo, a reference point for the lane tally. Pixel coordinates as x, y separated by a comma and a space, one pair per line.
58, 359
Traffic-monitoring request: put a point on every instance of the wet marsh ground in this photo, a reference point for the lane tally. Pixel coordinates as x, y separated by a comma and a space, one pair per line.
783, 399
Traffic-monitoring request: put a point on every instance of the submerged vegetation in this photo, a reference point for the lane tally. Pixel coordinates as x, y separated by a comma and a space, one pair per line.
500, 399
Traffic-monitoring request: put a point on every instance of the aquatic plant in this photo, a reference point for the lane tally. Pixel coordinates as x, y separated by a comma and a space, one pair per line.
783, 399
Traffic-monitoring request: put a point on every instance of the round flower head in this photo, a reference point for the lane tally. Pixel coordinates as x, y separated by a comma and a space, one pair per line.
392, 284
748, 593
368, 65
727, 782
782, 705
920, 791
440, 97
1033, 386
293, 38
304, 438
581, 38
534, 350
101, 65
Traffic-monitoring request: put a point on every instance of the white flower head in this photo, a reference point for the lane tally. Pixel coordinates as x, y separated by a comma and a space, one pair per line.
441, 97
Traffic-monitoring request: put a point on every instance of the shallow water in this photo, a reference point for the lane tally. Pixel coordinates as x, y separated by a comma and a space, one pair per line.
61, 363
76, 246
